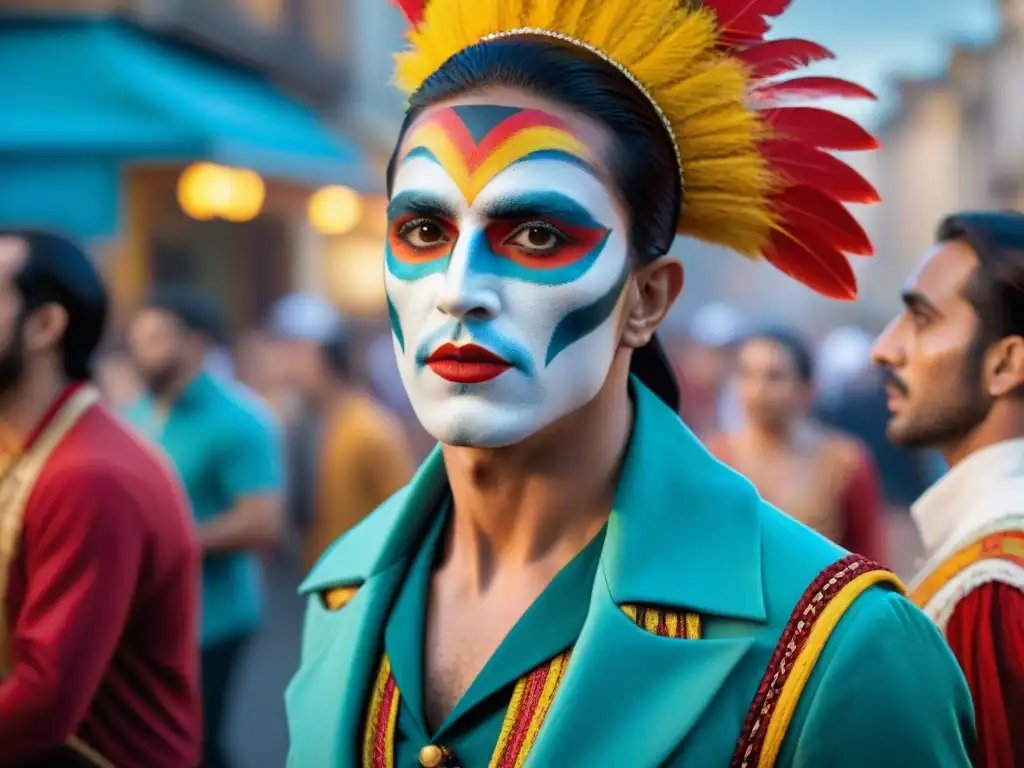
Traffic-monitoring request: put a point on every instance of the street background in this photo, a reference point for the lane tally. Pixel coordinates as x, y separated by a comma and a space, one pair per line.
238, 146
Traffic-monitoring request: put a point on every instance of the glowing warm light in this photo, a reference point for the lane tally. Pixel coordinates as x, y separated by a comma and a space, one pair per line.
375, 215
206, 191
246, 197
335, 210
354, 273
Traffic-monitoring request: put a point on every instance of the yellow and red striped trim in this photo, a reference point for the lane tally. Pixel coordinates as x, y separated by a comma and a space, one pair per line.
810, 625
531, 699
527, 711
1001, 545
381, 720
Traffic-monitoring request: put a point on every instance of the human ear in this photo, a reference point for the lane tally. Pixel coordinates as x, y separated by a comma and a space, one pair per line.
655, 287
45, 327
1004, 366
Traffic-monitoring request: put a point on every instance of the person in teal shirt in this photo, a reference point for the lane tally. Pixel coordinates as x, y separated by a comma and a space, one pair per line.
571, 579
225, 446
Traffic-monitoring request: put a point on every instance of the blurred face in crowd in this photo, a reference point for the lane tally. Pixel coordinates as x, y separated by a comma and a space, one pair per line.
160, 347
708, 367
770, 386
506, 258
13, 253
22, 335
932, 364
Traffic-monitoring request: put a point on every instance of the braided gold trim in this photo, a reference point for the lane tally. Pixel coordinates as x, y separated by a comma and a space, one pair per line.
608, 60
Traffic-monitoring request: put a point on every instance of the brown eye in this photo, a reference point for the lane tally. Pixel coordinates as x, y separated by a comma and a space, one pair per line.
535, 238
423, 233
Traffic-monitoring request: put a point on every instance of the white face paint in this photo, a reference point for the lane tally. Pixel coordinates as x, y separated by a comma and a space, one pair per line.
503, 283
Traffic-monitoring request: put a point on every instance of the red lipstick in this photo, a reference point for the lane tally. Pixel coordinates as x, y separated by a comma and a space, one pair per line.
467, 364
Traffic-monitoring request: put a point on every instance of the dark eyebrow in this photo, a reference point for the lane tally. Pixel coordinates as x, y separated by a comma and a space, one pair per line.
540, 205
420, 204
918, 302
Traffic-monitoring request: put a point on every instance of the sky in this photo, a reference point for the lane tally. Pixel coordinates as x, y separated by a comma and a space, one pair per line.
875, 40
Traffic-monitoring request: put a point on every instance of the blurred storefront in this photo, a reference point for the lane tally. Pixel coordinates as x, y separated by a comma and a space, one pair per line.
179, 160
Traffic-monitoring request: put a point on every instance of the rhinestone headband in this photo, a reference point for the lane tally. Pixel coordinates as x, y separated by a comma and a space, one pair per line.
608, 60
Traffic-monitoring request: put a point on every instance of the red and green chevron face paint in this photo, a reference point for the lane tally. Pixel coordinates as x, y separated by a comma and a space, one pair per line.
505, 260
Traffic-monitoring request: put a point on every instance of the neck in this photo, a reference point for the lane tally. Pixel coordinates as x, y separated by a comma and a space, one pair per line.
24, 405
331, 393
542, 499
772, 437
1005, 421
187, 375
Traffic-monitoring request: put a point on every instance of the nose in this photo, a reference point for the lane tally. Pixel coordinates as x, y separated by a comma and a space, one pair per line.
467, 292
886, 350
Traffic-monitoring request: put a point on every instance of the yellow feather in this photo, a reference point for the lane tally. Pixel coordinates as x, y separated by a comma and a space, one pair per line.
672, 49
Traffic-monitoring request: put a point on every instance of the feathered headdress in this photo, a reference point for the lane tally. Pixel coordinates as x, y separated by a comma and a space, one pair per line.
757, 174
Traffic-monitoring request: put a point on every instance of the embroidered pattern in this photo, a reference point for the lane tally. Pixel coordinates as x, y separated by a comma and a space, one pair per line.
379, 739
531, 698
1003, 545
527, 711
664, 623
822, 591
994, 570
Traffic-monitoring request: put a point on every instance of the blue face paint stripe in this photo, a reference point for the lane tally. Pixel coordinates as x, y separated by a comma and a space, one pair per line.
484, 260
478, 332
396, 324
556, 155
421, 152
407, 271
481, 119
420, 203
580, 322
542, 205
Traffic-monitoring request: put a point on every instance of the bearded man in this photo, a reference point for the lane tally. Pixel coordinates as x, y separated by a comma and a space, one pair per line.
955, 362
98, 560
225, 446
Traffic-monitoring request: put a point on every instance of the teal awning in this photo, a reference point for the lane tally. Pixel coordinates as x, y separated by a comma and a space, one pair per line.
91, 94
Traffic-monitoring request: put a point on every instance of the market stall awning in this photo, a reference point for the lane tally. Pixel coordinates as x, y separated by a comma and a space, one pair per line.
106, 88
81, 99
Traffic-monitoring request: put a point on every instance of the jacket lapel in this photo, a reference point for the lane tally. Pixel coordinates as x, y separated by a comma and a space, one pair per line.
684, 534
327, 698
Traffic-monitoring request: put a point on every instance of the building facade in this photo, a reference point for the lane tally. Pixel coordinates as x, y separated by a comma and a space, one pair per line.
115, 101
955, 142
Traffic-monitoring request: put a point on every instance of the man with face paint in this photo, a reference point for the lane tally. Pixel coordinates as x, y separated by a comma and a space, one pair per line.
955, 364
571, 578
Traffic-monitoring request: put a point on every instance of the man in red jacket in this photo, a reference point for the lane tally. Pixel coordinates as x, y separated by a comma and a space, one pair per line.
955, 359
98, 562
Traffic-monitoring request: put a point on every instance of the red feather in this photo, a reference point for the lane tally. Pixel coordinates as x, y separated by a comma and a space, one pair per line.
412, 9
819, 128
814, 211
745, 19
777, 57
814, 263
805, 165
813, 88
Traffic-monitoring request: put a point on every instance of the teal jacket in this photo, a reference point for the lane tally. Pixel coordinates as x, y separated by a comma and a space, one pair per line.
687, 533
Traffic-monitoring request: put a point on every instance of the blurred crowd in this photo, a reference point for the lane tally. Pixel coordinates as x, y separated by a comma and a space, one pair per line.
334, 387
802, 416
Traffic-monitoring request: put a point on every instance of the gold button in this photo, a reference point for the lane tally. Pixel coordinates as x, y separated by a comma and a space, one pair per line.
431, 756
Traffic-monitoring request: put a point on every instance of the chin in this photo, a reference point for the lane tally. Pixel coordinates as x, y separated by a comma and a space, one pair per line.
904, 436
467, 422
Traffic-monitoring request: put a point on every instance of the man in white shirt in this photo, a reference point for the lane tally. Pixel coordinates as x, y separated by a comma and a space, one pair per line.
955, 365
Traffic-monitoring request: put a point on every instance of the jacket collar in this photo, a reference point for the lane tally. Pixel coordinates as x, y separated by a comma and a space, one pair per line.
977, 492
684, 531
